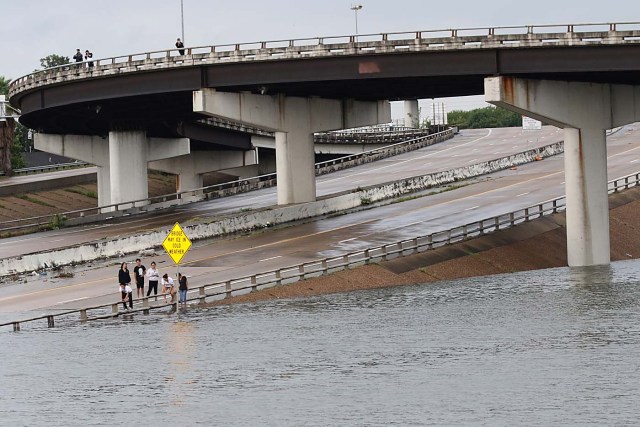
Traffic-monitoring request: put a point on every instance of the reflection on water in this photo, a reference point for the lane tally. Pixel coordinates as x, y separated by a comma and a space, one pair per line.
548, 347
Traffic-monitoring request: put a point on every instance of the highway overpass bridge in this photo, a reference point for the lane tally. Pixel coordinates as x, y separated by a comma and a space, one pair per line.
124, 112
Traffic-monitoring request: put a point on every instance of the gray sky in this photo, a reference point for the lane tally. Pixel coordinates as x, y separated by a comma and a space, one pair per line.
32, 29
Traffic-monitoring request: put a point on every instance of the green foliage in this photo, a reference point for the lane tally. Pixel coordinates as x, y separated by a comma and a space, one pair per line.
30, 199
18, 147
54, 60
488, 117
4, 85
57, 221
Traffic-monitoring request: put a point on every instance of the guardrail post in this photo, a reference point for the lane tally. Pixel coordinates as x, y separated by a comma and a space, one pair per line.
227, 288
114, 309
384, 253
278, 277
202, 294
254, 284
50, 322
145, 302
301, 272
16, 326
415, 245
511, 219
83, 315
367, 256
325, 269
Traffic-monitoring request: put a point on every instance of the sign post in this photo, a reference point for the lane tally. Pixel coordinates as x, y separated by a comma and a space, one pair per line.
176, 244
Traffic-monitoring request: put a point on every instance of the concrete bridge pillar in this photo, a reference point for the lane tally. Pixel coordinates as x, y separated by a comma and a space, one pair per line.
585, 111
90, 149
411, 114
128, 154
190, 168
121, 159
294, 120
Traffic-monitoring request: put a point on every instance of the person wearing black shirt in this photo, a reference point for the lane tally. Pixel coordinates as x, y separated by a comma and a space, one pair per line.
180, 46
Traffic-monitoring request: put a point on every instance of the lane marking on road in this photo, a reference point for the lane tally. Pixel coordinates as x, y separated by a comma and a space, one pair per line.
91, 228
472, 160
72, 300
348, 240
270, 259
473, 208
523, 194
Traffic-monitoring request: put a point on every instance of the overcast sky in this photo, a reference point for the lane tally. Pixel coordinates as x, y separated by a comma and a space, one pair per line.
32, 29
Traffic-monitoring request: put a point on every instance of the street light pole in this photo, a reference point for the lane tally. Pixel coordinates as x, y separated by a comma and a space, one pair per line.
182, 18
356, 8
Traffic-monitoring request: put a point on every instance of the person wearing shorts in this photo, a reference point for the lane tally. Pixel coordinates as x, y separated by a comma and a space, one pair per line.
138, 272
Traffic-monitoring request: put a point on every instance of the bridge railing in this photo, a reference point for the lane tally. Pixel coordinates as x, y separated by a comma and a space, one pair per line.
211, 192
474, 37
48, 168
290, 274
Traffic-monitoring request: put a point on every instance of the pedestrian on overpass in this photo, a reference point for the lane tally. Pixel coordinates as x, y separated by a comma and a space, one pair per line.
180, 46
138, 272
126, 295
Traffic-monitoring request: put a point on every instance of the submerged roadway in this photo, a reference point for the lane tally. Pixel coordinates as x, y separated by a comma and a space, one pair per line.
232, 257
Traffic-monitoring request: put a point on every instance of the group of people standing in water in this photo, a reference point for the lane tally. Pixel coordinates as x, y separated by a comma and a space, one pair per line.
140, 272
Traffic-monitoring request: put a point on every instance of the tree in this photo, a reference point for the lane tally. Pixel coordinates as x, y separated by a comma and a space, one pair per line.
13, 135
53, 60
4, 86
488, 117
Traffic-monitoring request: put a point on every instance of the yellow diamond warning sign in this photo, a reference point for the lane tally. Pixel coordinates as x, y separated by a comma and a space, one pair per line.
176, 243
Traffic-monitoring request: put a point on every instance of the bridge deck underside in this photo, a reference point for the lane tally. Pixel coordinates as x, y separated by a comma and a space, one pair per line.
160, 101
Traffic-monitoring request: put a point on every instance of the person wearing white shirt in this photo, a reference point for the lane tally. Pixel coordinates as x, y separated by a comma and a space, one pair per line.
126, 295
167, 287
153, 276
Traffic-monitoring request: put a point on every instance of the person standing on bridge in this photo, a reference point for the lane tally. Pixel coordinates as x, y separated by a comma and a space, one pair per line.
154, 277
87, 56
124, 277
78, 56
180, 46
182, 287
138, 272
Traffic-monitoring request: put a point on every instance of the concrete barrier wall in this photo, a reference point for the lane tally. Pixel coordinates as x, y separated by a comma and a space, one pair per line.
88, 177
246, 221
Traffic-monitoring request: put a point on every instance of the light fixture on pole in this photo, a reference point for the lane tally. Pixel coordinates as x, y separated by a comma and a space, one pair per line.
182, 18
356, 8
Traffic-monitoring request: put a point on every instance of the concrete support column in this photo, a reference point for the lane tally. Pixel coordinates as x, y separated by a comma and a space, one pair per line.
585, 111
411, 114
128, 159
104, 186
190, 168
585, 160
295, 167
294, 120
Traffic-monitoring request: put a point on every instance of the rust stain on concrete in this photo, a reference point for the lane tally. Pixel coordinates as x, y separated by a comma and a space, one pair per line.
509, 89
369, 68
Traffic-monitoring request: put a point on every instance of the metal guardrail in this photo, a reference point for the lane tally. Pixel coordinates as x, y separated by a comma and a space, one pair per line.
319, 267
48, 168
421, 40
219, 190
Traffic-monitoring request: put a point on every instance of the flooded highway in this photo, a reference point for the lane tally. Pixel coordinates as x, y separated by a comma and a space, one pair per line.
549, 347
